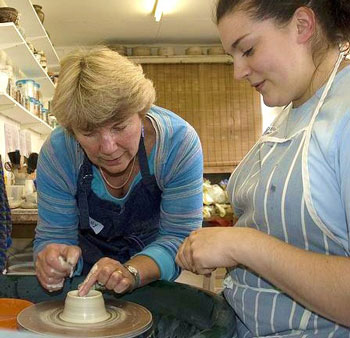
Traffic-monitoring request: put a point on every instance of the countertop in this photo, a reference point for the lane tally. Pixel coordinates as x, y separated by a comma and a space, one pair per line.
24, 222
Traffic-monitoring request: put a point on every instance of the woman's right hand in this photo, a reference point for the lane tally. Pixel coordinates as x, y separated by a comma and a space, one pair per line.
54, 263
206, 249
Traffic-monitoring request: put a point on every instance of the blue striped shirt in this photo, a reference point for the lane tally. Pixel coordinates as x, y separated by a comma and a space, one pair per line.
177, 163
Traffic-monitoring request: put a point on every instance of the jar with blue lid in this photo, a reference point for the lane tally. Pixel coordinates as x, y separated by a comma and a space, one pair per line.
26, 87
45, 114
36, 106
29, 104
37, 90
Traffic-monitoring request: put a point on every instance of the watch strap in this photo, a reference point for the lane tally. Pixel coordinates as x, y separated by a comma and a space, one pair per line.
135, 273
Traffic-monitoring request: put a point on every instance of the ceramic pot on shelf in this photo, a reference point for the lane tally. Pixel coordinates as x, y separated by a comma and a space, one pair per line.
40, 13
8, 14
216, 50
194, 50
166, 51
118, 48
141, 51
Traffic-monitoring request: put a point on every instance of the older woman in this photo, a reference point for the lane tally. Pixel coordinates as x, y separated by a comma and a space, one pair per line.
119, 183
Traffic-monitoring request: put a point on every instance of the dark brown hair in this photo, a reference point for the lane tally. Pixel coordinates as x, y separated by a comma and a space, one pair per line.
333, 16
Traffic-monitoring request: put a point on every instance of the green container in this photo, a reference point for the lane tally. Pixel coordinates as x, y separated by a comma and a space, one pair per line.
179, 311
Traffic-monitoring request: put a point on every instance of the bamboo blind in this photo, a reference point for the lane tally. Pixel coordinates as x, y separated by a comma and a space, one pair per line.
225, 113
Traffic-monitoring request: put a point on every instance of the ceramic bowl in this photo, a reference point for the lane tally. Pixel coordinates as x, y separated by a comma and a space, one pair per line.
88, 309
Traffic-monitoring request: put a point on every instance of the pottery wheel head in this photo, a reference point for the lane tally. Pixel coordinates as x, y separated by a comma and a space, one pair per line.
123, 320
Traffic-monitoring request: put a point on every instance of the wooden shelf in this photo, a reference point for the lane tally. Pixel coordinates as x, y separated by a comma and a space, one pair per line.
219, 169
182, 59
35, 31
16, 112
18, 51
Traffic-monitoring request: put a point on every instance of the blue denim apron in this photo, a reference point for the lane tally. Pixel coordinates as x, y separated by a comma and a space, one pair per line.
107, 229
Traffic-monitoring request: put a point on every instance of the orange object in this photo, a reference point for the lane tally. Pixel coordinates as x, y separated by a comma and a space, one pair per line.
9, 309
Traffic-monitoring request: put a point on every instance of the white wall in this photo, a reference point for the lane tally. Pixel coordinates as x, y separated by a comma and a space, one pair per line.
36, 139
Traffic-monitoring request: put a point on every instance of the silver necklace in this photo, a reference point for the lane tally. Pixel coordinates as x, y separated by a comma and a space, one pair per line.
122, 185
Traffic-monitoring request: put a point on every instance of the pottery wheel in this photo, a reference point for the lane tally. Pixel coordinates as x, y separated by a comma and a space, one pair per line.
126, 320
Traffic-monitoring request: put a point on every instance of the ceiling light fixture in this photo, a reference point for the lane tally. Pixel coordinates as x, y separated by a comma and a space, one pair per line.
158, 9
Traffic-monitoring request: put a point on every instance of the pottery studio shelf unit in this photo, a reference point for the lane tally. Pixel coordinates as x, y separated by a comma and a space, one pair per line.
35, 31
182, 59
15, 111
17, 50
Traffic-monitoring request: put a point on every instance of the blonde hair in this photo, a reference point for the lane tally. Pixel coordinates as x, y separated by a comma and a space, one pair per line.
98, 86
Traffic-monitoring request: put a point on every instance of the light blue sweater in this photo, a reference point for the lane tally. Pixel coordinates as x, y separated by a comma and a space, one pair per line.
176, 162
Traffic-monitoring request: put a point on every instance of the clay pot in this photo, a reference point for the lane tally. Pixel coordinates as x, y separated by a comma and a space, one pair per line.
8, 14
88, 309
216, 50
166, 51
40, 13
194, 51
141, 51
119, 49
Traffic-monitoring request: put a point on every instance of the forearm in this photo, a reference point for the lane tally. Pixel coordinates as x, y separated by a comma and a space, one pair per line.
319, 282
147, 268
46, 234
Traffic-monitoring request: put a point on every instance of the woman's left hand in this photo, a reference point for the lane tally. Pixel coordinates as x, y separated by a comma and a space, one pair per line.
109, 273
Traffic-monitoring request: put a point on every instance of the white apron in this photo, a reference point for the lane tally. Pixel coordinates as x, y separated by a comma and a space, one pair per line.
272, 186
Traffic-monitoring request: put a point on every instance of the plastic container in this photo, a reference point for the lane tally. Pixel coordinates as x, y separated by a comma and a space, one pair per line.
26, 87
15, 191
52, 121
11, 88
45, 115
36, 103
37, 91
4, 80
9, 309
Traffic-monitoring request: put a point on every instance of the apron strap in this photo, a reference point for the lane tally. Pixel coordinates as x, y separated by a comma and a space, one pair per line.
305, 167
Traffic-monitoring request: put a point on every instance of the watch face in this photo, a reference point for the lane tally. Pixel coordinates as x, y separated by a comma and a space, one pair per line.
135, 274
132, 269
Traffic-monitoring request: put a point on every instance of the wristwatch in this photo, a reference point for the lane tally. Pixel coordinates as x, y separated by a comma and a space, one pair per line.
135, 274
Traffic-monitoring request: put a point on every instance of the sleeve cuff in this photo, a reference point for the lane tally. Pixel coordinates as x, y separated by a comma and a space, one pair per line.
164, 260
